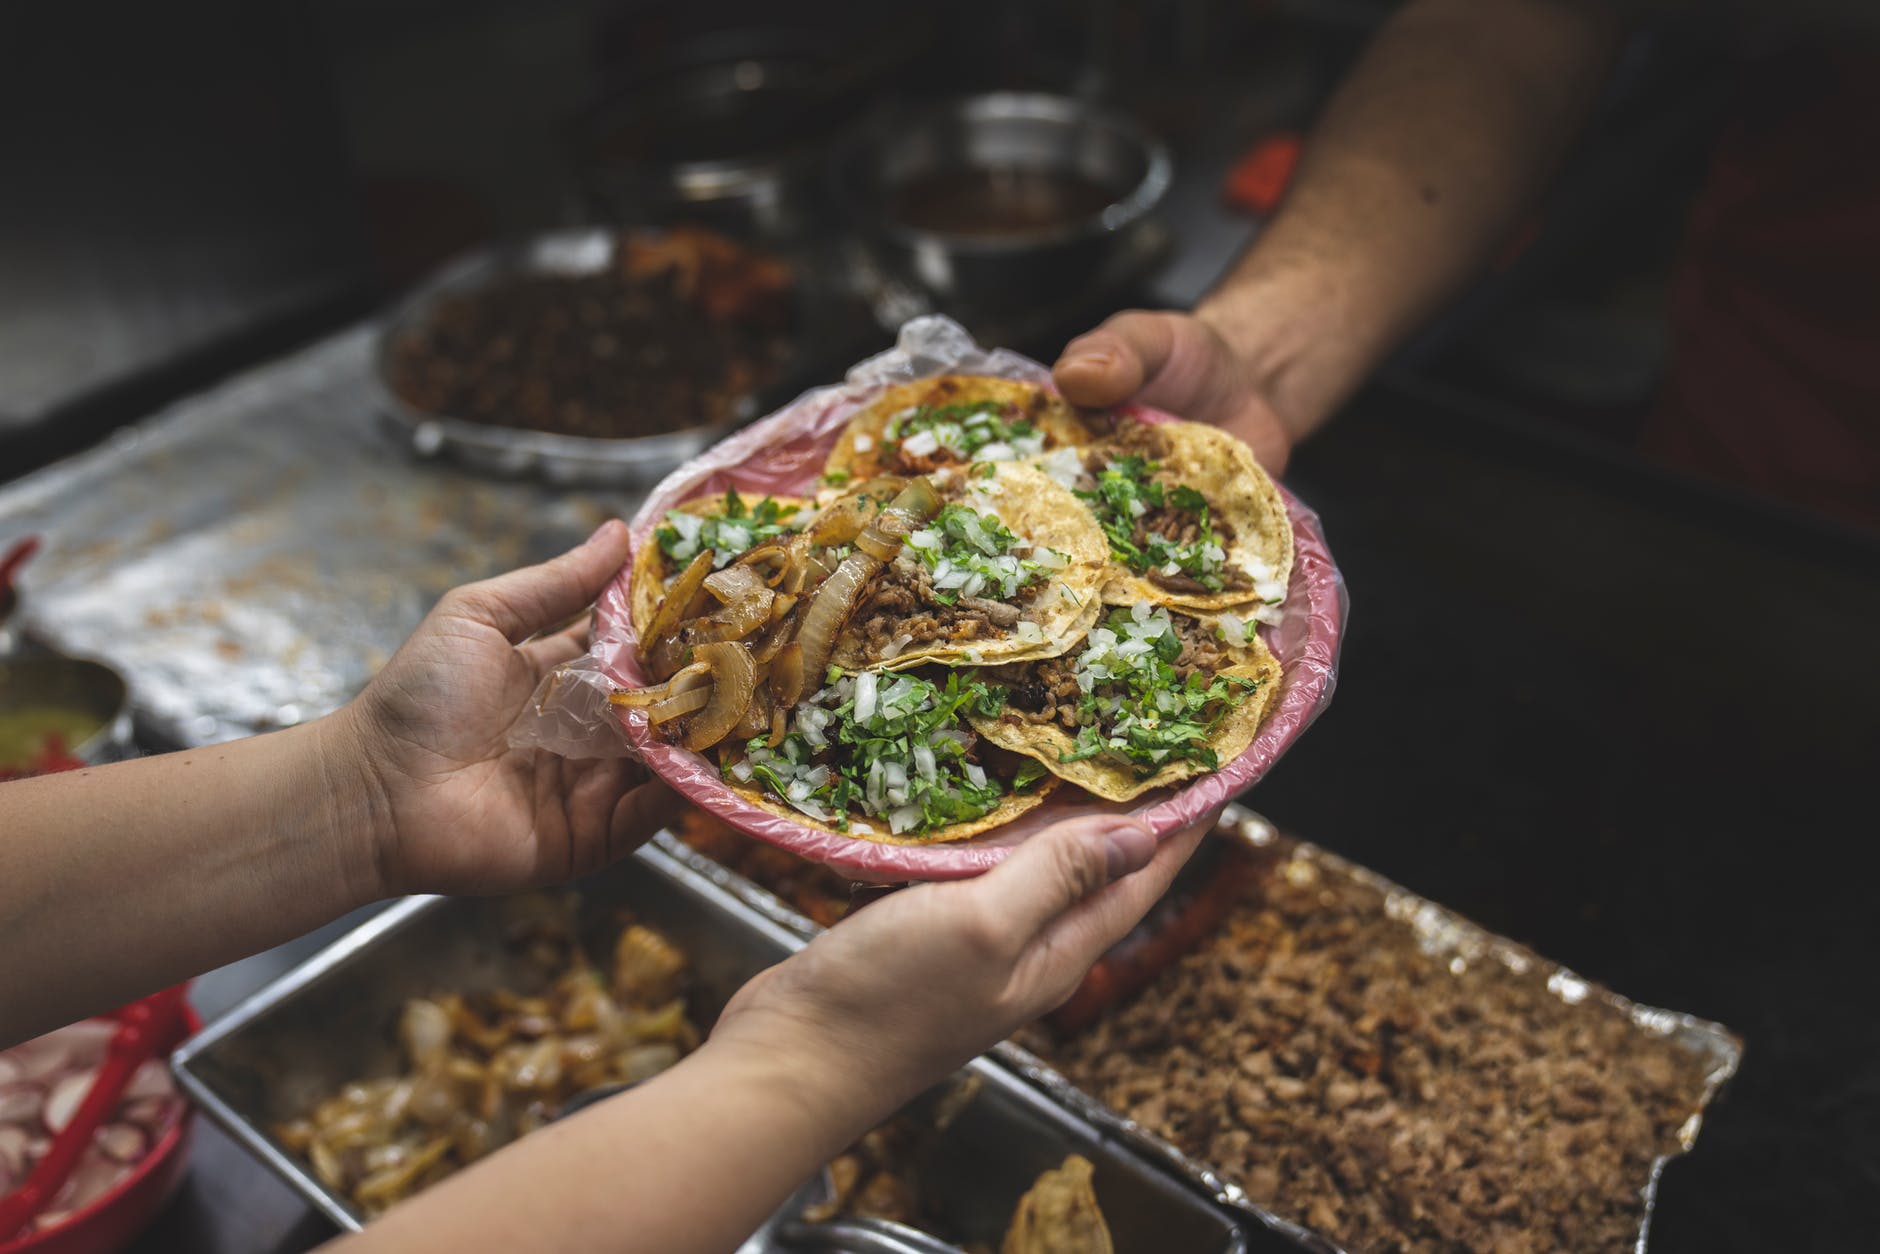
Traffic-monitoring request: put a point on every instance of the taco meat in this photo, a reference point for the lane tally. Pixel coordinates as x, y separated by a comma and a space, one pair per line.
905, 611
1047, 691
1183, 528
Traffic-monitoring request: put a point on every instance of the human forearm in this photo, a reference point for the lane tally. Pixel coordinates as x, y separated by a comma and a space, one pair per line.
1411, 179
118, 880
691, 1162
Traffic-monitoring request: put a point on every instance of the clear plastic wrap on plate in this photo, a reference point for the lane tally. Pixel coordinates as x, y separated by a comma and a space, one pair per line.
784, 454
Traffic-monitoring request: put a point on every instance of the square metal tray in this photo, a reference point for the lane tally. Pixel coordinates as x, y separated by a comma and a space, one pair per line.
331, 1020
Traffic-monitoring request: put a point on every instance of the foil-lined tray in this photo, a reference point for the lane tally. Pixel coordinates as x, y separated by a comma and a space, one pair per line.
249, 557
1441, 932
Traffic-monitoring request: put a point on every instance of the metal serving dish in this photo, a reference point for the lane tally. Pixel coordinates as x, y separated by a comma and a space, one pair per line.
569, 460
1004, 134
49, 679
994, 1144
1438, 931
1437, 928
332, 1020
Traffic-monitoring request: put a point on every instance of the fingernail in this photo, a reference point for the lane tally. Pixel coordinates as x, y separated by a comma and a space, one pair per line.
1127, 846
598, 532
1091, 361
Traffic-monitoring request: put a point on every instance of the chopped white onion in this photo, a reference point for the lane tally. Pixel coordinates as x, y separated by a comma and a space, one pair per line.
122, 1142
21, 1103
864, 442
63, 1102
865, 690
921, 444
1064, 465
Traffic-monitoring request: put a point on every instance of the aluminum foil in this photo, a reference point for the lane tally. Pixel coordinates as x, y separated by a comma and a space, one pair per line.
249, 557
1439, 932
785, 454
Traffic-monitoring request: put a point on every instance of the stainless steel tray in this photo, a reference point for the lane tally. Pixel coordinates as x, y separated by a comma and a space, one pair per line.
560, 459
331, 1020
1438, 931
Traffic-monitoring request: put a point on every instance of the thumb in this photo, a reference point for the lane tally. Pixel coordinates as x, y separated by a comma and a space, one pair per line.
529, 600
1111, 364
1059, 867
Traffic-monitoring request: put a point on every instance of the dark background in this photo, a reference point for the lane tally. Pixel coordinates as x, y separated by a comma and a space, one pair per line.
1622, 716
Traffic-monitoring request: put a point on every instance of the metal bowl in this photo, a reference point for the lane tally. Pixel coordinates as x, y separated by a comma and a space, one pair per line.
1019, 134
569, 460
69, 683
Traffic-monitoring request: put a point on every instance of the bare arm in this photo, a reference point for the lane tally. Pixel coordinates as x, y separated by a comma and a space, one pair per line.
807, 1057
1440, 136
119, 880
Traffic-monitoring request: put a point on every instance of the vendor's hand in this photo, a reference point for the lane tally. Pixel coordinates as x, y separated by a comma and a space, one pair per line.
1180, 363
901, 994
461, 811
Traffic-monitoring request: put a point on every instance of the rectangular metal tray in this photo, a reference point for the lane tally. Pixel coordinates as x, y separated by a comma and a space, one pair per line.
1437, 928
1438, 931
331, 1020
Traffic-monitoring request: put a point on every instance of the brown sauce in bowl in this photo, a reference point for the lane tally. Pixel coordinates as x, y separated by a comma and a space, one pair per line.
991, 202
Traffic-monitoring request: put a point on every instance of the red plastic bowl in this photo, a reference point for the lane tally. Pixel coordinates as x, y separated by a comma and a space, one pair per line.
114, 1220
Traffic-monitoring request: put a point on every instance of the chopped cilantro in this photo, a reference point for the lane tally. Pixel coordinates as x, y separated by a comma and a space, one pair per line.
1126, 492
736, 529
971, 553
970, 430
886, 746
1137, 708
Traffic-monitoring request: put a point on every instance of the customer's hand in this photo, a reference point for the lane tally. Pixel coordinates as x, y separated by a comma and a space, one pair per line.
1181, 363
902, 993
461, 811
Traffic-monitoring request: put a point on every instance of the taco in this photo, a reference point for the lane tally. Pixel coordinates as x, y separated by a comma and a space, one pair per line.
887, 758
1191, 519
727, 526
953, 420
1010, 567
1149, 698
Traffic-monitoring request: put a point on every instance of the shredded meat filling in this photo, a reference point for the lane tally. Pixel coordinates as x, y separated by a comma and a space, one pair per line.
1047, 692
904, 602
1177, 526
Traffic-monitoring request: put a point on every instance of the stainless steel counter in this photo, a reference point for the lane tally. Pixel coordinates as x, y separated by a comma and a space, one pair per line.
248, 558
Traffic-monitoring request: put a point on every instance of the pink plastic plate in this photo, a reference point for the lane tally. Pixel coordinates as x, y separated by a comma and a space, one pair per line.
784, 455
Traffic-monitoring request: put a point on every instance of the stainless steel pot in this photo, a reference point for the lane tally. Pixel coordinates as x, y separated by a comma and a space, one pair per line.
999, 270
45, 680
